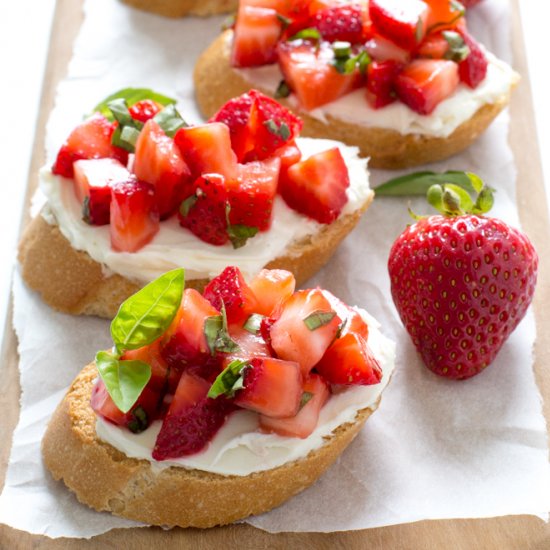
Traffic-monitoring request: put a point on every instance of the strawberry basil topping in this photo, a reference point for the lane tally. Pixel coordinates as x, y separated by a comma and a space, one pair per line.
135, 162
324, 49
191, 360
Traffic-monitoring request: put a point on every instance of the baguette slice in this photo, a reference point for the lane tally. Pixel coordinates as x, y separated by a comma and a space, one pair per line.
105, 479
216, 82
70, 281
180, 8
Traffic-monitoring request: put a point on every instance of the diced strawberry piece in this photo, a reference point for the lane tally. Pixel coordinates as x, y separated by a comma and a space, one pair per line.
185, 341
137, 419
382, 49
158, 161
89, 140
340, 22
434, 46
265, 332
317, 186
229, 289
206, 149
236, 115
381, 77
424, 83
204, 211
351, 318
92, 184
404, 23
445, 15
252, 194
163, 378
257, 31
134, 215
192, 419
271, 287
271, 387
144, 110
289, 154
290, 336
349, 360
473, 69
311, 76
250, 344
305, 421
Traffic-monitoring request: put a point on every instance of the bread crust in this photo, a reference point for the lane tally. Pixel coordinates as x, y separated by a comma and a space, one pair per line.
70, 281
180, 8
106, 480
216, 82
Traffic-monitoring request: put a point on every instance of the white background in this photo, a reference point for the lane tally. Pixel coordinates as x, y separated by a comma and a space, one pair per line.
24, 38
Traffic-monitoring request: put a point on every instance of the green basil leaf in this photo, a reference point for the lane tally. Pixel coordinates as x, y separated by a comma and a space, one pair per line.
170, 120
119, 108
282, 90
341, 49
458, 49
317, 319
217, 335
239, 234
418, 183
285, 21
307, 34
306, 397
132, 96
187, 204
229, 380
253, 323
124, 380
146, 315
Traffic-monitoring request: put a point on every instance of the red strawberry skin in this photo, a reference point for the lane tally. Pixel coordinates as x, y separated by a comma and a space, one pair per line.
473, 69
461, 285
340, 23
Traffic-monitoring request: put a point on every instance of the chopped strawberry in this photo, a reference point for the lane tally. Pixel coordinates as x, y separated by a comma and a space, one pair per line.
381, 77
305, 421
434, 46
340, 22
158, 161
134, 215
317, 186
271, 287
257, 31
185, 341
445, 15
251, 195
250, 344
192, 419
89, 140
424, 83
351, 318
473, 69
204, 211
289, 154
229, 289
349, 360
305, 326
404, 23
271, 387
382, 49
137, 419
265, 332
92, 184
310, 74
144, 110
206, 149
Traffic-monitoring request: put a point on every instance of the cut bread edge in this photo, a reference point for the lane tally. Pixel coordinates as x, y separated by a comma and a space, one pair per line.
182, 8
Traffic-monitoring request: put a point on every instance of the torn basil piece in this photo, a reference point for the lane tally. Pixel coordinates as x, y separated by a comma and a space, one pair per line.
282, 90
170, 120
306, 398
229, 380
307, 34
253, 323
217, 336
317, 319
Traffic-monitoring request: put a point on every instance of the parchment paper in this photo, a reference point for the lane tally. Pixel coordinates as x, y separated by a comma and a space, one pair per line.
435, 449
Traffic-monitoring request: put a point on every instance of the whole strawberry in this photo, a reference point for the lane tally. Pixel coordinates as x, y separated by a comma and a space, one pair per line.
461, 281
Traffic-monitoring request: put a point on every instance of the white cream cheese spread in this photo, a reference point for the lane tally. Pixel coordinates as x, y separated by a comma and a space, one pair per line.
174, 246
239, 448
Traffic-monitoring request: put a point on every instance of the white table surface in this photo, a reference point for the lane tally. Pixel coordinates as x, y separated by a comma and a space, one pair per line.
24, 37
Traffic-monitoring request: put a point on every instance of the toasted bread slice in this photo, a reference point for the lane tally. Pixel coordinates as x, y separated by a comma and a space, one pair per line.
180, 8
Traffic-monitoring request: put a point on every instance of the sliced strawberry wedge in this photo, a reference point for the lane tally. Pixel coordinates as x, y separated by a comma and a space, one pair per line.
204, 211
229, 289
309, 73
206, 149
424, 83
349, 360
134, 215
305, 326
257, 31
92, 183
158, 161
381, 77
271, 387
316, 394
473, 69
351, 318
272, 287
382, 49
404, 23
251, 195
317, 186
289, 154
192, 419
89, 140
144, 110
250, 344
344, 22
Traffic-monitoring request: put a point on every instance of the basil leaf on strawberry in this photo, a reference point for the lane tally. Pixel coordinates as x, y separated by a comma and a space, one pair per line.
217, 335
131, 96
229, 380
146, 315
418, 183
253, 323
318, 319
307, 34
239, 234
124, 380
170, 120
